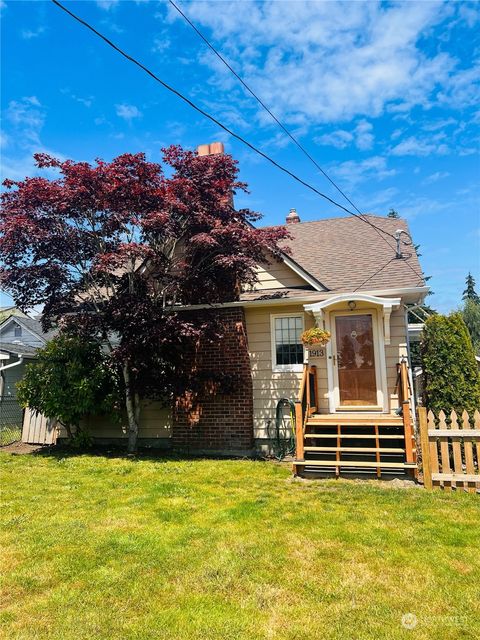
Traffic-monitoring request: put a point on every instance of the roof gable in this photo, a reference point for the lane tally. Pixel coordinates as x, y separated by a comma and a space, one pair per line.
33, 328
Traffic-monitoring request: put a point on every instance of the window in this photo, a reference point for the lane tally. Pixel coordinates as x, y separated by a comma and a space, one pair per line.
287, 348
17, 331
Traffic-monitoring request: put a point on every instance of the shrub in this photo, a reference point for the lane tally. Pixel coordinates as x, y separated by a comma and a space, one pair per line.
70, 380
452, 380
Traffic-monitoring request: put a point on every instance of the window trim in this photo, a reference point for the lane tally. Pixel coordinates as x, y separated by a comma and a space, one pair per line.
17, 330
278, 368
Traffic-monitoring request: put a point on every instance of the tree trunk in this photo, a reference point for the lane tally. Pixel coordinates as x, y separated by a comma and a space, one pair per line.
68, 429
133, 410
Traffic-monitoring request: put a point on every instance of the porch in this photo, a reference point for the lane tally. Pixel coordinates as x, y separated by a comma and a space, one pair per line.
354, 442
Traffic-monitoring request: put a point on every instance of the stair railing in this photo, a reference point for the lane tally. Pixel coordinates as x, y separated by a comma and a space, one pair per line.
404, 397
305, 406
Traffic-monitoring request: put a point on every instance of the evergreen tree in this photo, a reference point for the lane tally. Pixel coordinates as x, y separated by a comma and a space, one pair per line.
470, 293
471, 317
452, 379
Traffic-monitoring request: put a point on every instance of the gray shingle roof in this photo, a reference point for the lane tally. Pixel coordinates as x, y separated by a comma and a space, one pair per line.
36, 327
346, 254
18, 349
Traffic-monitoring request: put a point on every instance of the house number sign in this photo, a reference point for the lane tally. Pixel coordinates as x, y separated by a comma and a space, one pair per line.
317, 353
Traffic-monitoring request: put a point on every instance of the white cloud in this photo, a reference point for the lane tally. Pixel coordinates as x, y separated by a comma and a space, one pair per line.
317, 61
26, 116
339, 139
414, 146
25, 119
86, 101
107, 4
353, 173
435, 177
462, 90
28, 34
127, 111
435, 125
363, 136
161, 43
360, 135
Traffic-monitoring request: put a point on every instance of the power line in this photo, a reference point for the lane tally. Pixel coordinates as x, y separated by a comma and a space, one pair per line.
376, 273
280, 124
222, 126
260, 101
212, 118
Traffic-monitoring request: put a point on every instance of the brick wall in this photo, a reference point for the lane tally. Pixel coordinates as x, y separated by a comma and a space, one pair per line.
213, 421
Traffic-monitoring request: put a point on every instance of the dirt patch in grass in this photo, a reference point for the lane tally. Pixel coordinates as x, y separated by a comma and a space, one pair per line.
22, 448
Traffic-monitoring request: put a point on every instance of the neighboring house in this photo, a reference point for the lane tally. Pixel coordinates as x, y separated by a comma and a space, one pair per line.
20, 337
341, 274
6, 312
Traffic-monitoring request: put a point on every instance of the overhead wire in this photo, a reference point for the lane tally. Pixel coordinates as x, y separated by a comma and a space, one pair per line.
264, 106
224, 127
279, 122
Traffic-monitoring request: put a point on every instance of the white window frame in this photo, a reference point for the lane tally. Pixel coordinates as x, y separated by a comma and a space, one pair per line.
294, 368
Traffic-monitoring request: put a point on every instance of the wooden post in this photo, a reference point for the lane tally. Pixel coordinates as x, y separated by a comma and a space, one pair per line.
407, 429
299, 451
427, 468
315, 386
307, 387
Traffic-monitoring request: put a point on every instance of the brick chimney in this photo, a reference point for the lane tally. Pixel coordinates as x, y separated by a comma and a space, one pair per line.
212, 149
293, 217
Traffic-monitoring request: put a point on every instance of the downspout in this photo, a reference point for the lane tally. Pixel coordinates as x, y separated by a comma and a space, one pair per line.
12, 364
8, 366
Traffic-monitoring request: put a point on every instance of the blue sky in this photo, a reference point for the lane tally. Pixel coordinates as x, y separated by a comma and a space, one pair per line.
384, 95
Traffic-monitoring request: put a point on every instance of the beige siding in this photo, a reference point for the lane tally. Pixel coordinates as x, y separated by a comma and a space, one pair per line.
155, 422
395, 351
277, 275
270, 386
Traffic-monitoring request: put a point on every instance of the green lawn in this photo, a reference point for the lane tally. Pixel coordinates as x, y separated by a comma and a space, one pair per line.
109, 548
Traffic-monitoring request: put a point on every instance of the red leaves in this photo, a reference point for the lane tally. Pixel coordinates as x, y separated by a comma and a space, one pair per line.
116, 245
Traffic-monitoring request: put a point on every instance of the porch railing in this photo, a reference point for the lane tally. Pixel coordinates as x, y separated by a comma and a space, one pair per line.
305, 406
405, 401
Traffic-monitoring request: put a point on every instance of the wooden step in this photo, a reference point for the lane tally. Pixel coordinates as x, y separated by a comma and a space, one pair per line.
355, 449
352, 463
354, 436
354, 423
346, 416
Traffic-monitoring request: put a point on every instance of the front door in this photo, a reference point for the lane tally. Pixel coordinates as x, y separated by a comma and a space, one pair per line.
354, 359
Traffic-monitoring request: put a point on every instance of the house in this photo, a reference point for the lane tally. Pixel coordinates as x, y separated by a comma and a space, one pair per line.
6, 312
20, 337
346, 274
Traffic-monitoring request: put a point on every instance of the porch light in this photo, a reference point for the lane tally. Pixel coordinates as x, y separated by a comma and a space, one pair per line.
352, 305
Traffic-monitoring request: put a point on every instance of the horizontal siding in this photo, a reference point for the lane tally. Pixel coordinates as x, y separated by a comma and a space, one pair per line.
269, 387
155, 422
394, 352
277, 275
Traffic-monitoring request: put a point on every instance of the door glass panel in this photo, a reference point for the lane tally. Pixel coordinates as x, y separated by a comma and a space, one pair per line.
356, 361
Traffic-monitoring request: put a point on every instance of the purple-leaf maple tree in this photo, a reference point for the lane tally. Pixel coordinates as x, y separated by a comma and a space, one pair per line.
116, 249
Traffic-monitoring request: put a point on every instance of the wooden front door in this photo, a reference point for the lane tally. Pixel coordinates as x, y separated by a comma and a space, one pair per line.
356, 375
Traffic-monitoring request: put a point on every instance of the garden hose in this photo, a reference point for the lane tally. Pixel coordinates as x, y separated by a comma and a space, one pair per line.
283, 438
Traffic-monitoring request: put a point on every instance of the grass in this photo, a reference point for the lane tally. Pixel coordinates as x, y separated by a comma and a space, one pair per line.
99, 548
